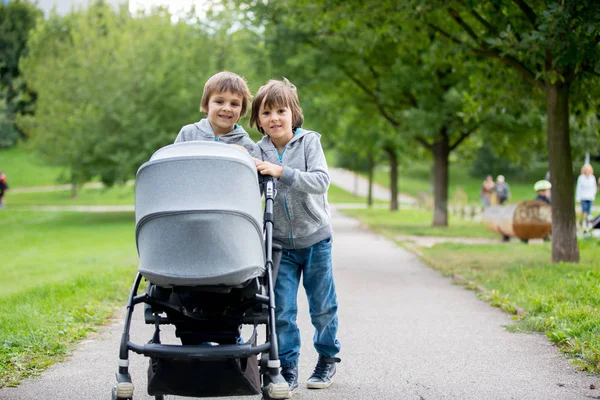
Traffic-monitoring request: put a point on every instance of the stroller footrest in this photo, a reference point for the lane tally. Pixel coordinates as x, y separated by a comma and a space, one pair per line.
203, 352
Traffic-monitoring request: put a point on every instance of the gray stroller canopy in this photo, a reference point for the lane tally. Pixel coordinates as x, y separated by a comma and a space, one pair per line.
198, 216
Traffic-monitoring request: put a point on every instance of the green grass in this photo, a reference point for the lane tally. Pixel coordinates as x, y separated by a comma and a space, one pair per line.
417, 179
560, 300
417, 222
62, 275
23, 169
117, 195
124, 195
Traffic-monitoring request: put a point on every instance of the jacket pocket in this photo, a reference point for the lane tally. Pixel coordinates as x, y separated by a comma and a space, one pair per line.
310, 213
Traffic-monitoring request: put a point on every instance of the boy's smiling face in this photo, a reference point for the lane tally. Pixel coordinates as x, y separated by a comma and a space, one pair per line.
224, 111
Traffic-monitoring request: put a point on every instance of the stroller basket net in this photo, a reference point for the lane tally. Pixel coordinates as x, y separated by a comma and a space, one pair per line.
199, 216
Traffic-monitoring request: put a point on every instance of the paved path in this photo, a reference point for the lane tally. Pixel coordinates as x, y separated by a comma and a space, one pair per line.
406, 333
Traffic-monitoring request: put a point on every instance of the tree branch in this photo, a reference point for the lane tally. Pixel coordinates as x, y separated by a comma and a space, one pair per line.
511, 62
370, 93
463, 136
445, 34
424, 142
527, 11
483, 22
456, 16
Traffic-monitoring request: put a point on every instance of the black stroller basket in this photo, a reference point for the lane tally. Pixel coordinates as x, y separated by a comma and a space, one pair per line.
206, 252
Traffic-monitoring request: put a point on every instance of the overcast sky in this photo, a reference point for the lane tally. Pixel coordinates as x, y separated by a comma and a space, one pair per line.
64, 6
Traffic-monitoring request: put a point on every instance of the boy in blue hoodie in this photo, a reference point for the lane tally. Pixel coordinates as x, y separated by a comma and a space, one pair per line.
224, 101
302, 226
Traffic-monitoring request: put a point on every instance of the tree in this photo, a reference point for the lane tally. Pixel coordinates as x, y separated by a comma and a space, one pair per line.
112, 88
551, 45
417, 84
17, 18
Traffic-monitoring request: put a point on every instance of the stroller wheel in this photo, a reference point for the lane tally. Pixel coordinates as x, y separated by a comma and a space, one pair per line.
123, 391
279, 390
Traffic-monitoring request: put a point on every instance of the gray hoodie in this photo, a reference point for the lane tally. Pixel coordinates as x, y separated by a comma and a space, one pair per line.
301, 214
203, 131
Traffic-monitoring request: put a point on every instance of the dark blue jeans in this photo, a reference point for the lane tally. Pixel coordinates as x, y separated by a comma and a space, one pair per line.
586, 207
313, 264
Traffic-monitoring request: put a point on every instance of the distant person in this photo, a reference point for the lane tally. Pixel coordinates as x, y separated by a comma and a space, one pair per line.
487, 190
585, 192
3, 188
224, 101
502, 190
542, 189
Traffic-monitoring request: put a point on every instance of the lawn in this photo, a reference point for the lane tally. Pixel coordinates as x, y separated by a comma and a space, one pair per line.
124, 195
410, 221
62, 275
22, 169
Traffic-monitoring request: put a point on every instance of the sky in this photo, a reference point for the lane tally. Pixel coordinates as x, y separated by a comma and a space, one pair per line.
64, 6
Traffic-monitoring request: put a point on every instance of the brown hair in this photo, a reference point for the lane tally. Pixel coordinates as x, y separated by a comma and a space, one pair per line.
225, 82
277, 94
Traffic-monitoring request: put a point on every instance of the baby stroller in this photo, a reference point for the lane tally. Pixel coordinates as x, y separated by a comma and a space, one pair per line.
207, 253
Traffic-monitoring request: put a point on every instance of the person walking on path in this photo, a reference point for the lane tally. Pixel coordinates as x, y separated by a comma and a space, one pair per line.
302, 226
487, 190
502, 190
585, 191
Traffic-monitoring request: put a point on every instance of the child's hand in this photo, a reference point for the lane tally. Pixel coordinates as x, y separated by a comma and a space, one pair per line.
266, 168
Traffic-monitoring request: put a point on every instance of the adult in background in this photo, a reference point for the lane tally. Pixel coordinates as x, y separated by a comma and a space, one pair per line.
585, 192
487, 189
502, 190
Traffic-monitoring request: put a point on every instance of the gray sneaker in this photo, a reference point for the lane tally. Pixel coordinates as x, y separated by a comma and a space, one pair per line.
322, 376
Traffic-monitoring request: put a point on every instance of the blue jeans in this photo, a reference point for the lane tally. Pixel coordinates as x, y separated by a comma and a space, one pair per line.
314, 265
586, 206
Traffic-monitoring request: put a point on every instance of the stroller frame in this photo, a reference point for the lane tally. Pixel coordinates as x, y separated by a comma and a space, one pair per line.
274, 385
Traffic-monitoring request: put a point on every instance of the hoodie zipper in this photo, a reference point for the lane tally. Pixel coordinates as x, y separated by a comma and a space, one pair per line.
285, 204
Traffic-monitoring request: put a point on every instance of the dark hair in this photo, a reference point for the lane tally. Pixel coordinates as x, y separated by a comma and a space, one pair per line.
277, 94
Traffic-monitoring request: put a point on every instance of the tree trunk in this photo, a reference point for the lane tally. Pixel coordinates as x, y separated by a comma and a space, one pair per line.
440, 150
370, 169
73, 190
391, 152
564, 238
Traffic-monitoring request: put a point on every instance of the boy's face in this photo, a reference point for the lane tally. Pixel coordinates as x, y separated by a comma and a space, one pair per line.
276, 122
224, 110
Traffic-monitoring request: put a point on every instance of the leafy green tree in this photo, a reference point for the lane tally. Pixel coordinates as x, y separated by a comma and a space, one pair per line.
17, 18
553, 46
112, 88
413, 80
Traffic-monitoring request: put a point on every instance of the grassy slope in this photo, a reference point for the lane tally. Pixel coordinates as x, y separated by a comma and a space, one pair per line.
23, 169
62, 274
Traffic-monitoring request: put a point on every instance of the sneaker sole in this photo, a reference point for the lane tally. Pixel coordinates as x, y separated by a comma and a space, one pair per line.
318, 385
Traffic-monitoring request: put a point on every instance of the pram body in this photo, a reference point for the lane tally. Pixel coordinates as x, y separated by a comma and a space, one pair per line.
205, 248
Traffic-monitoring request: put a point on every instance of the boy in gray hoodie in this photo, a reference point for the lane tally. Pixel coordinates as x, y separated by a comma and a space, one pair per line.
302, 225
224, 101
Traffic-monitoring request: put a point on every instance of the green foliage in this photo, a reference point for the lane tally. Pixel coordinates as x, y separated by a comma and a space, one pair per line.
112, 89
17, 18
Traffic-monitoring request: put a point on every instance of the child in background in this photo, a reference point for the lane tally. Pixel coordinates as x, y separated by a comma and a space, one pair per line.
3, 188
224, 101
302, 226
